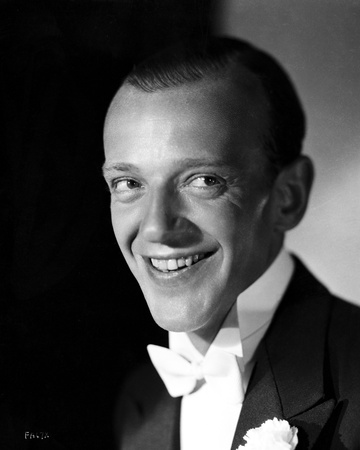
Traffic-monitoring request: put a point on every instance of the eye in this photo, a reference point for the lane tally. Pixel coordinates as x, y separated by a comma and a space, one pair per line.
126, 190
204, 181
125, 185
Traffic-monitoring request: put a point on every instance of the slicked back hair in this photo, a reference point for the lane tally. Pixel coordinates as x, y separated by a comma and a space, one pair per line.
191, 61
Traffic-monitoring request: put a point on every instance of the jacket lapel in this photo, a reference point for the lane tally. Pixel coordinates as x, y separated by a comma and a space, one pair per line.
288, 380
262, 401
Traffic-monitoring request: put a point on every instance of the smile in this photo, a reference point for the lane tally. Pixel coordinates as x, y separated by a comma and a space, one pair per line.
167, 265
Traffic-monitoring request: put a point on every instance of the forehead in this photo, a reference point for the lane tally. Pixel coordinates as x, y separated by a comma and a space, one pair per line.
213, 114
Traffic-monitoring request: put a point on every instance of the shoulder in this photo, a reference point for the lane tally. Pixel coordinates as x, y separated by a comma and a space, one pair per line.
323, 321
146, 416
325, 330
142, 387
138, 396
306, 291
344, 336
345, 314
344, 365
338, 318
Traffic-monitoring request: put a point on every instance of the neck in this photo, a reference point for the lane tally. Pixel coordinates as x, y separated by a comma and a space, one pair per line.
199, 342
202, 339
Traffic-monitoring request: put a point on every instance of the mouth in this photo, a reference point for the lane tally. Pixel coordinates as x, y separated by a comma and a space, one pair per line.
177, 264
176, 271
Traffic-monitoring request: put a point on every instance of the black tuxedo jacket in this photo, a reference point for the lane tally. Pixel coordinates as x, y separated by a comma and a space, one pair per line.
307, 372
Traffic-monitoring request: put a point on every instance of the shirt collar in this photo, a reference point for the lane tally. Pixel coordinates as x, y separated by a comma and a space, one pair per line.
252, 311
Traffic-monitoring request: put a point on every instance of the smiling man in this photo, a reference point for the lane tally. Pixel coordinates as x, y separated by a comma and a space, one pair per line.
203, 163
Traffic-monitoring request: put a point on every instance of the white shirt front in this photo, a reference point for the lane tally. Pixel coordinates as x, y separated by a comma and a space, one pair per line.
207, 421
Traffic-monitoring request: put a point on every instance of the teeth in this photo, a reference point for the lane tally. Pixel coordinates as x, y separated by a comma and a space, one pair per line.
189, 261
172, 264
181, 262
165, 265
155, 262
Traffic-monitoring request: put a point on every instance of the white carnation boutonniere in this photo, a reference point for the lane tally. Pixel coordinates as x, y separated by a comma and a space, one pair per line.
271, 435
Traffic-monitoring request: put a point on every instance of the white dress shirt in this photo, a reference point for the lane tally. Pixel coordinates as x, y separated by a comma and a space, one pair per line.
207, 421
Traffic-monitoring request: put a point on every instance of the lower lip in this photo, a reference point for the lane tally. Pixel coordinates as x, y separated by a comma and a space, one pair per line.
177, 278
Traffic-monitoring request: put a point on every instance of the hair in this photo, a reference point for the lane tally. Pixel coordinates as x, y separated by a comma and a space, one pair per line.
194, 60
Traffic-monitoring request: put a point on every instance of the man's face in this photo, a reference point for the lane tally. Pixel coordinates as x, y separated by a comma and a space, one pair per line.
189, 198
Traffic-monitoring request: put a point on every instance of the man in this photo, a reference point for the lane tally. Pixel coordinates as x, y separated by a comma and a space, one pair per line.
203, 162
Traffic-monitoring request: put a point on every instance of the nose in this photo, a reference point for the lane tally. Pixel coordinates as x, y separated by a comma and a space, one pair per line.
164, 221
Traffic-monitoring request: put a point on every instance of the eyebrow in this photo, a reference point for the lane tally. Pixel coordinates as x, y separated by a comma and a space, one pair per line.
188, 163
119, 167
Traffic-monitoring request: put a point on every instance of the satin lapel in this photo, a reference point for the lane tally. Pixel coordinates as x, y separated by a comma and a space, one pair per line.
262, 401
288, 378
296, 341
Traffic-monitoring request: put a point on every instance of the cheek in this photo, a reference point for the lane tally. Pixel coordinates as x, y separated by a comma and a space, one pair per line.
123, 226
239, 230
224, 221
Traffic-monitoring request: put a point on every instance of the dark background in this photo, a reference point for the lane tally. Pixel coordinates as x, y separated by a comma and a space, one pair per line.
73, 320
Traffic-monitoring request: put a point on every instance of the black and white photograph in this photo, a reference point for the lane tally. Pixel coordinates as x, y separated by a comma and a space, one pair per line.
180, 217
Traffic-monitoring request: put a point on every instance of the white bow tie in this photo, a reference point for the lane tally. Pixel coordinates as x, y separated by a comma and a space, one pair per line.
219, 369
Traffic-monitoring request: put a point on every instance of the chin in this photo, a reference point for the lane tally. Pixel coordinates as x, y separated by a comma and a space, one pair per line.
189, 309
178, 322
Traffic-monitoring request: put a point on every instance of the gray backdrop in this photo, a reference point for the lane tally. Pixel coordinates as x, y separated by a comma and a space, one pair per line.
318, 42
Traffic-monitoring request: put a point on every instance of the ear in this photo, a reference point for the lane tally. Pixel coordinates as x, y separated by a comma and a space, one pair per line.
291, 192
